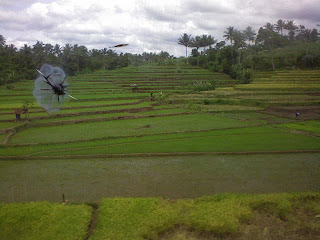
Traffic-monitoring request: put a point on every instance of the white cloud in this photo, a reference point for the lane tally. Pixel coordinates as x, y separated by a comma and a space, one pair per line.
145, 25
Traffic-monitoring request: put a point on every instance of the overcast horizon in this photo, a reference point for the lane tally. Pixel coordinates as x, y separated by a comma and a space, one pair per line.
145, 26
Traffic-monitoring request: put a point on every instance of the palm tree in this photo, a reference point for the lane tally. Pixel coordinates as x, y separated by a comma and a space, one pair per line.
269, 26
280, 25
210, 41
206, 40
186, 41
229, 34
250, 34
292, 27
239, 39
196, 42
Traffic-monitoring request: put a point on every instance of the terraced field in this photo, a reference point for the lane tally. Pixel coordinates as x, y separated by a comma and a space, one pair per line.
268, 89
149, 132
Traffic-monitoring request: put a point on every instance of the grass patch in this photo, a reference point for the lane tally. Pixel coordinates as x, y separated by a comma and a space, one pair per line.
217, 215
131, 127
212, 142
43, 220
139, 218
2, 137
307, 126
4, 125
221, 140
222, 216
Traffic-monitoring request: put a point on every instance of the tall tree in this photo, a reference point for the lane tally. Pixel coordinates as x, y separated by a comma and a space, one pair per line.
250, 34
186, 41
220, 45
291, 27
280, 26
2, 40
196, 42
269, 26
229, 34
239, 39
210, 41
314, 35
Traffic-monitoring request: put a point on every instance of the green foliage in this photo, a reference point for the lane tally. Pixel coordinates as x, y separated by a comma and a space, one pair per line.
243, 75
43, 220
10, 86
20, 64
134, 218
272, 50
27, 104
129, 127
204, 85
220, 217
206, 101
276, 204
308, 126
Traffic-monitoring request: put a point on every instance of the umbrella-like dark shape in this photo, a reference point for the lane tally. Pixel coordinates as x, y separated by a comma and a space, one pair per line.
51, 88
119, 45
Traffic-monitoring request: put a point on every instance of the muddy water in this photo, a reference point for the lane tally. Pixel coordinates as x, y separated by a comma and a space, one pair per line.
170, 177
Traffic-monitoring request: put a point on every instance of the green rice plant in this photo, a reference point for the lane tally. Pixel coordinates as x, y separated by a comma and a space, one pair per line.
288, 87
43, 220
94, 117
2, 137
134, 218
307, 126
131, 127
228, 108
5, 125
219, 217
175, 143
94, 146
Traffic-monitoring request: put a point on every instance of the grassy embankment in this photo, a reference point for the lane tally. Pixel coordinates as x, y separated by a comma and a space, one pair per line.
223, 216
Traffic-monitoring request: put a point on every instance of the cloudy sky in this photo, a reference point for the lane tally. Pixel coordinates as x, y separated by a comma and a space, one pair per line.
146, 25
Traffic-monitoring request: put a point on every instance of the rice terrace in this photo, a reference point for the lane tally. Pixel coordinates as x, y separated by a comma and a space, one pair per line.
221, 144
120, 141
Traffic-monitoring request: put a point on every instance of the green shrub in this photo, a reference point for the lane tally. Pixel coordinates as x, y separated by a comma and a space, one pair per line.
43, 220
242, 74
206, 101
10, 86
278, 204
246, 76
204, 85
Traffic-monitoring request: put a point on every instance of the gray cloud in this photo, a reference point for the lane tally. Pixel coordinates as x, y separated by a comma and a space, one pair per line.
203, 6
162, 15
309, 12
145, 25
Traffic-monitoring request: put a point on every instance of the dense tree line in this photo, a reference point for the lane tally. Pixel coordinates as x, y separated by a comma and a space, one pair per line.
17, 64
275, 46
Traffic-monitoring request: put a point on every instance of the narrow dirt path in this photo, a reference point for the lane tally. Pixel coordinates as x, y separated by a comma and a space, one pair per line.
127, 155
93, 221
